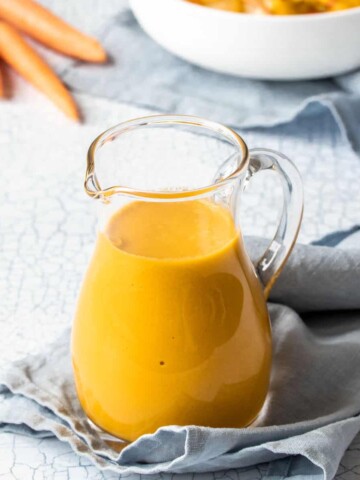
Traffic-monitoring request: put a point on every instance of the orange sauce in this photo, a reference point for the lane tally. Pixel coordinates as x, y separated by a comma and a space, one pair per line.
171, 325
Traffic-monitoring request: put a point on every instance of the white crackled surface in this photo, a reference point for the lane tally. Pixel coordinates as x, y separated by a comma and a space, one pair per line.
47, 230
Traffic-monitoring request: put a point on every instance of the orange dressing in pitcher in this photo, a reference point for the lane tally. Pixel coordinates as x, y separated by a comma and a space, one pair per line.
171, 325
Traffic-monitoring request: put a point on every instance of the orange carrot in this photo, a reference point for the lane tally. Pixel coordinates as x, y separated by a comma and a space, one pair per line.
24, 59
5, 85
41, 24
2, 86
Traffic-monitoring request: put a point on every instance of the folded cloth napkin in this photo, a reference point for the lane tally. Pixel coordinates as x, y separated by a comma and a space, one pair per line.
144, 74
311, 414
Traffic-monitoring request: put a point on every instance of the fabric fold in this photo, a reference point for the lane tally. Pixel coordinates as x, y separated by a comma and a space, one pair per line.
334, 271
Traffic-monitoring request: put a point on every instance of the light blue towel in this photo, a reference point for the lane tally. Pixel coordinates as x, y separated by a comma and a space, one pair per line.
312, 411
144, 74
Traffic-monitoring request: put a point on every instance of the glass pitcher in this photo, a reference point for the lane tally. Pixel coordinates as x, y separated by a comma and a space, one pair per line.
171, 326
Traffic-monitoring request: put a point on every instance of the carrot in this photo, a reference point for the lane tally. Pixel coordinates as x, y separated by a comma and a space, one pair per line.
2, 85
39, 23
6, 92
24, 59
5, 86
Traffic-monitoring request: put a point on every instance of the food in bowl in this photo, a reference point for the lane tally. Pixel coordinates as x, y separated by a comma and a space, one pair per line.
267, 47
243, 6
279, 7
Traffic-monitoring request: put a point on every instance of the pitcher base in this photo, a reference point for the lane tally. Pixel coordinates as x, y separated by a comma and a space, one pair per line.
113, 442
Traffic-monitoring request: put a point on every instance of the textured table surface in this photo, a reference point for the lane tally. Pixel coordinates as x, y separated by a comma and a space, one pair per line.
47, 230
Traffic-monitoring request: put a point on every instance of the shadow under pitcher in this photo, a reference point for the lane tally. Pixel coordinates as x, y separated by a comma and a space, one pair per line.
171, 326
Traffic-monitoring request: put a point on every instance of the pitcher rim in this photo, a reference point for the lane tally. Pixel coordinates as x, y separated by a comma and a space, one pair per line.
92, 185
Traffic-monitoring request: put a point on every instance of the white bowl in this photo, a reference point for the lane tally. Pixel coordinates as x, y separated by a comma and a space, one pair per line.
258, 46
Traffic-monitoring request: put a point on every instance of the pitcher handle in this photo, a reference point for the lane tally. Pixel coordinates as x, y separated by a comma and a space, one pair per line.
273, 260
